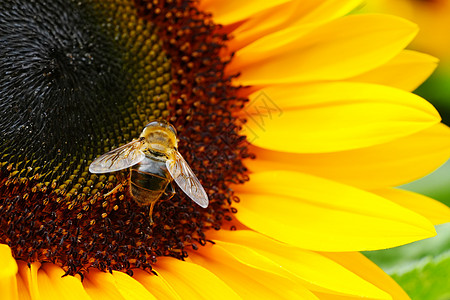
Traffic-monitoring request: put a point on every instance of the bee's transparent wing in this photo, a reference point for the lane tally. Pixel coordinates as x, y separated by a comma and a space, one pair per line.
118, 159
186, 180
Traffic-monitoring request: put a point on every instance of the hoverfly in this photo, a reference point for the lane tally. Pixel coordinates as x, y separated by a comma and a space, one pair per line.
155, 162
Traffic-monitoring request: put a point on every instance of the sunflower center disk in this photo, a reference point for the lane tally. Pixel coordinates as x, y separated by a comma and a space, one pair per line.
84, 77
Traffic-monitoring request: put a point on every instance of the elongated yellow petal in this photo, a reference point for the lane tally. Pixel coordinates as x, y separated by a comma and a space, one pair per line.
156, 285
8, 271
385, 165
289, 14
192, 281
332, 93
101, 285
29, 279
406, 71
8, 267
363, 267
325, 296
340, 49
327, 10
245, 279
318, 214
313, 270
231, 11
329, 117
433, 210
22, 288
130, 288
52, 285
251, 258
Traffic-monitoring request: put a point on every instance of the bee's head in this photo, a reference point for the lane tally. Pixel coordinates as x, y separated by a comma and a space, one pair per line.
162, 124
160, 136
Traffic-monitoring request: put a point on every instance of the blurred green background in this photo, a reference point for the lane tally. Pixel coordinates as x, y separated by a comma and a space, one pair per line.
423, 268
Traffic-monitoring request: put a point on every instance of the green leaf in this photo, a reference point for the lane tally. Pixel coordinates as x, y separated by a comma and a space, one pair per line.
429, 280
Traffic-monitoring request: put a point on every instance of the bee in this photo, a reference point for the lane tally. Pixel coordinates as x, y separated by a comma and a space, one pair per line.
154, 163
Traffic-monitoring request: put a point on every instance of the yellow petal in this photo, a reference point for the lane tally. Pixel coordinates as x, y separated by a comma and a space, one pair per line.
29, 279
156, 285
340, 49
22, 287
8, 267
247, 281
435, 211
364, 268
52, 285
406, 71
8, 271
385, 165
287, 15
228, 12
192, 281
324, 296
101, 285
325, 10
318, 214
336, 116
312, 269
130, 288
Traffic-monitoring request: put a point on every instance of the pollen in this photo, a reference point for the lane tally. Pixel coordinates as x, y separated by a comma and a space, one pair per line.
84, 77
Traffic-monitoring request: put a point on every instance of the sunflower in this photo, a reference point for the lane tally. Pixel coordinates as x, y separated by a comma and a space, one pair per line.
296, 116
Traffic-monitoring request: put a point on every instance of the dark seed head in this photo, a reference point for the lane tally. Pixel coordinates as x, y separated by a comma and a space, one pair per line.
82, 77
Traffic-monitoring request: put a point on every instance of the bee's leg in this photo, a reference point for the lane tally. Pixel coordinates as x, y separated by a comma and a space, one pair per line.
114, 190
123, 181
151, 212
170, 191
